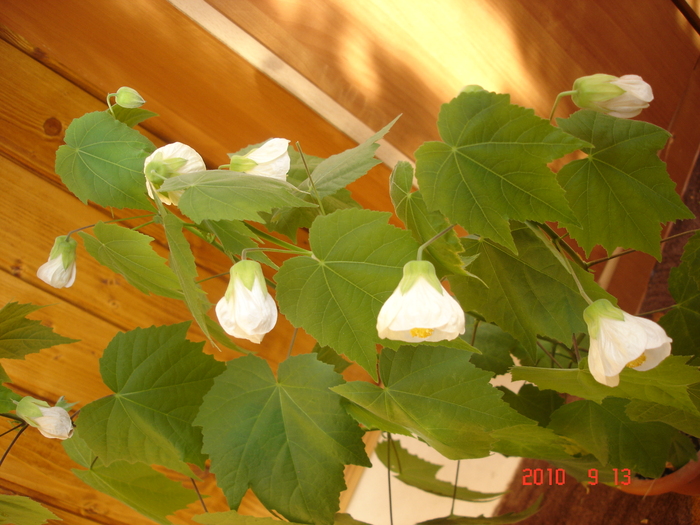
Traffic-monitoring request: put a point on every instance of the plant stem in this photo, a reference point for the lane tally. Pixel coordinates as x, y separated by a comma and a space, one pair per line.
557, 240
665, 308
556, 102
291, 343
212, 277
14, 440
613, 256
244, 253
454, 493
419, 254
199, 495
275, 240
108, 222
551, 356
476, 326
388, 474
311, 180
8, 431
574, 343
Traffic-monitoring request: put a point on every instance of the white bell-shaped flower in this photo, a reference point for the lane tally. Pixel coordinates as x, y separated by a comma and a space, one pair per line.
247, 310
52, 422
620, 340
60, 270
269, 160
170, 161
623, 97
420, 309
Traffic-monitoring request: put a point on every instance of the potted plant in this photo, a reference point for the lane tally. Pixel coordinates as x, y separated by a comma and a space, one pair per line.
490, 274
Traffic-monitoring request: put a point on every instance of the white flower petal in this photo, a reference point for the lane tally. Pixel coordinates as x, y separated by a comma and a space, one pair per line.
272, 158
53, 273
54, 423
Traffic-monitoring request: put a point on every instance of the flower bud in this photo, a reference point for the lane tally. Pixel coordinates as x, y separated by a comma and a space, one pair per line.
59, 271
52, 422
620, 340
128, 97
170, 161
269, 160
420, 309
247, 310
623, 97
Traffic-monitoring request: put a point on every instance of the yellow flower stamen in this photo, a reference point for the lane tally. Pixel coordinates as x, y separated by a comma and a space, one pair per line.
422, 332
637, 362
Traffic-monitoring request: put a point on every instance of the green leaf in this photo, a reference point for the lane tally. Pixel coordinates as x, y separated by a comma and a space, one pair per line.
183, 264
623, 162
102, 161
492, 166
220, 336
441, 397
20, 336
22, 510
411, 209
7, 397
528, 294
129, 253
287, 439
134, 484
666, 384
613, 438
229, 195
131, 116
503, 519
646, 411
422, 474
327, 355
336, 295
235, 237
495, 346
159, 379
682, 323
339, 170
533, 403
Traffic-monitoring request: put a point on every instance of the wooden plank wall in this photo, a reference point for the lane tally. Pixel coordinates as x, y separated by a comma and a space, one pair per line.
377, 58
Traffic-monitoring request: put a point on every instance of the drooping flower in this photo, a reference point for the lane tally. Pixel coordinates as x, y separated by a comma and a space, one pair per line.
620, 340
247, 310
128, 97
52, 422
59, 271
623, 97
269, 160
170, 161
420, 309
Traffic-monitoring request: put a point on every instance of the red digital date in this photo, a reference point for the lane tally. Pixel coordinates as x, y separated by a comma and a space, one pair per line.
539, 476
623, 476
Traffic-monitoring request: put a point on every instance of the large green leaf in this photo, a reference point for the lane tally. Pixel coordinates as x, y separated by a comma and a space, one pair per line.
645, 411
613, 438
24, 511
129, 253
134, 484
102, 161
286, 438
682, 323
527, 294
7, 398
495, 346
623, 163
440, 396
532, 402
339, 170
411, 209
20, 336
159, 379
492, 166
228, 195
184, 265
336, 295
503, 519
667, 384
422, 474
